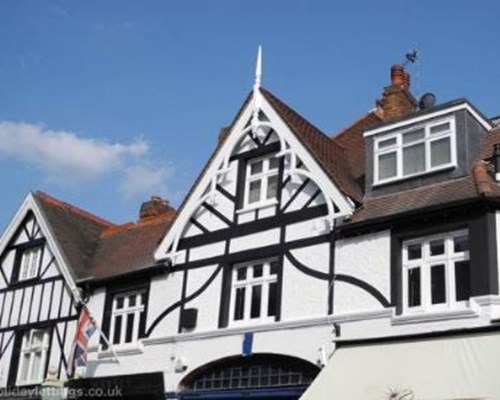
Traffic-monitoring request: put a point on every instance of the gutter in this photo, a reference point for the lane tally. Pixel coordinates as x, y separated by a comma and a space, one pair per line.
149, 271
386, 221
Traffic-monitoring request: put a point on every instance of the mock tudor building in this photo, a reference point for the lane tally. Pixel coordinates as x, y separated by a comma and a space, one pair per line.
293, 249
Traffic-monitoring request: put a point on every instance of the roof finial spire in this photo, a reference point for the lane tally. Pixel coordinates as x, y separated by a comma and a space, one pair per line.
258, 68
256, 93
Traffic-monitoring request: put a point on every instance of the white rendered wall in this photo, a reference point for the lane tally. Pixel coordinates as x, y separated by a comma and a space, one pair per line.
368, 258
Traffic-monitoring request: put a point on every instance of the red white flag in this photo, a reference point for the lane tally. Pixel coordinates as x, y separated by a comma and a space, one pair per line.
85, 329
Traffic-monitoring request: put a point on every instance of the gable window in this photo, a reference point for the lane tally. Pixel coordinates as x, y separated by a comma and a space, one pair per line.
254, 291
30, 261
436, 272
415, 151
261, 180
33, 357
127, 316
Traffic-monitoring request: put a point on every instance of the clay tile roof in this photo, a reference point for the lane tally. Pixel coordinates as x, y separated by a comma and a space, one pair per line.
351, 138
474, 186
489, 142
96, 248
129, 247
76, 231
329, 154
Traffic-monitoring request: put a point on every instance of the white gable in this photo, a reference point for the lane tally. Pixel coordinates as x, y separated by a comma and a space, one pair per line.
257, 120
38, 227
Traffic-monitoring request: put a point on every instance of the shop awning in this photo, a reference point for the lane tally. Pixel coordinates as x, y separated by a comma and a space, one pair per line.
458, 366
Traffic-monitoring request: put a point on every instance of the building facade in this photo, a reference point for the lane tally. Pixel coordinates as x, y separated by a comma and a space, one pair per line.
289, 243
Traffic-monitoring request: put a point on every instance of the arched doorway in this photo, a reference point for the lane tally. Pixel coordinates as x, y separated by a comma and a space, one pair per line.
264, 376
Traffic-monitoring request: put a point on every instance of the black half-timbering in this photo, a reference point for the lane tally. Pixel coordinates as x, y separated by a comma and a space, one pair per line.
117, 290
480, 224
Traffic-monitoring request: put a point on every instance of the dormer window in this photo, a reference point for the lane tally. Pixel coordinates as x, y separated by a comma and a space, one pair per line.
415, 151
261, 181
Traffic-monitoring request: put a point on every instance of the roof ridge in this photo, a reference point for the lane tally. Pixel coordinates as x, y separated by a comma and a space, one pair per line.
157, 219
77, 210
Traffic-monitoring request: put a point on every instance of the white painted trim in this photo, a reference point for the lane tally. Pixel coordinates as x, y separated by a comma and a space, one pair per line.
399, 146
259, 206
464, 106
434, 316
131, 349
28, 204
487, 300
270, 327
330, 191
425, 264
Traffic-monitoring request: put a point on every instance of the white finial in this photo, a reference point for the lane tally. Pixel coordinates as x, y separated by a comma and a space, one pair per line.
258, 67
256, 92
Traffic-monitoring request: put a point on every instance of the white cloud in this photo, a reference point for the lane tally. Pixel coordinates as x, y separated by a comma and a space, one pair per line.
140, 179
66, 158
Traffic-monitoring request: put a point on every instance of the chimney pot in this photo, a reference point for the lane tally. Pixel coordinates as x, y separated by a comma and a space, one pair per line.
398, 75
397, 101
154, 207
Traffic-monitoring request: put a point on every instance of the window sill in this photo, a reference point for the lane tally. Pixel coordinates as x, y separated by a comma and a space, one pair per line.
432, 316
129, 349
257, 206
412, 176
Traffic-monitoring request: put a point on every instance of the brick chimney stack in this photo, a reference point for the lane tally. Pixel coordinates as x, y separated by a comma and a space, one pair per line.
397, 100
154, 207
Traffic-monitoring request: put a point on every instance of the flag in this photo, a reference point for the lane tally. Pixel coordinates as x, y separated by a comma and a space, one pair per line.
84, 330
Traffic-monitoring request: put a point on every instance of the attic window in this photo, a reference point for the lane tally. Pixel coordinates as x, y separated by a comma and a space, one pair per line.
261, 180
415, 151
30, 261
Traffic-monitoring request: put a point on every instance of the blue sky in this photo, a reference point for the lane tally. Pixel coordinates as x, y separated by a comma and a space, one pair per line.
103, 103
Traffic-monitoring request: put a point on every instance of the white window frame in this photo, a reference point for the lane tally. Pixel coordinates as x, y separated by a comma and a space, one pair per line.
30, 350
30, 263
263, 177
398, 147
248, 283
425, 263
126, 310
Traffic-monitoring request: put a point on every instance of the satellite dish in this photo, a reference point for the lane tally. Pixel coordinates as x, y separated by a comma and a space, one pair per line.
427, 101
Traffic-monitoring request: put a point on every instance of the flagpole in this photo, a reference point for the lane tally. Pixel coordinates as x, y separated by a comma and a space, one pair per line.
102, 335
